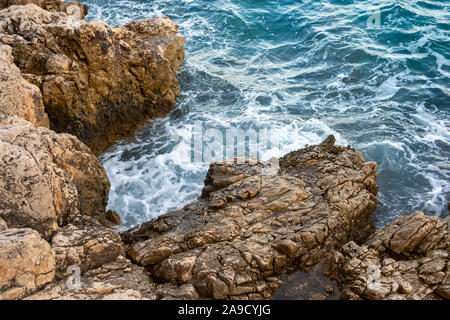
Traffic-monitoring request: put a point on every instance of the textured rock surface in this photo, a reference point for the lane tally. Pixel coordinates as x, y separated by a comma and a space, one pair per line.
97, 82
117, 280
408, 259
254, 223
85, 243
71, 7
26, 263
17, 96
47, 178
3, 225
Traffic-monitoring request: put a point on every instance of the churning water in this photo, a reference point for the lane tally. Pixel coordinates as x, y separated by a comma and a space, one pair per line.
376, 74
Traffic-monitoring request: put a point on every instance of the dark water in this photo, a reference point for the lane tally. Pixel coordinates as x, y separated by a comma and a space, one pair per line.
302, 70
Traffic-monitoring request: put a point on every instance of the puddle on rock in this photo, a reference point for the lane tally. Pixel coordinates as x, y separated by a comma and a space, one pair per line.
311, 285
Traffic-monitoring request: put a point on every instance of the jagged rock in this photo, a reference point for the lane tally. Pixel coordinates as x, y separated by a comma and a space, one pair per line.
117, 280
85, 243
74, 8
3, 225
409, 259
250, 226
113, 217
47, 178
97, 82
26, 263
18, 96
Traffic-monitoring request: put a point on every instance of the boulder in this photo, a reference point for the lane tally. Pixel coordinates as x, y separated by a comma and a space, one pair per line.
47, 178
409, 259
97, 82
18, 97
26, 263
74, 8
85, 243
256, 221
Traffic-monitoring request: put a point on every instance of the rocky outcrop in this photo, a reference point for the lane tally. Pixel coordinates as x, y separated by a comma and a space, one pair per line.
408, 259
26, 263
117, 280
47, 178
97, 82
85, 243
18, 97
257, 221
73, 8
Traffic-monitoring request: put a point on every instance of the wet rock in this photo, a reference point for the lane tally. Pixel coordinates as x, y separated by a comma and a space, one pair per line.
251, 226
97, 82
18, 97
26, 263
408, 259
47, 178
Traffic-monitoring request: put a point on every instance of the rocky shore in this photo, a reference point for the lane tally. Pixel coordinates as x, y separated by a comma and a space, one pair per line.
69, 88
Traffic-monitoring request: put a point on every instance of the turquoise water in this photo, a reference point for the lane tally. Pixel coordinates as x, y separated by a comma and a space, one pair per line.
302, 70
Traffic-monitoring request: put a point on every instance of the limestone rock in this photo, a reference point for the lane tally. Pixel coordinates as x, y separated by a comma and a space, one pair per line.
70, 7
85, 243
18, 96
26, 263
409, 259
117, 280
47, 178
97, 82
251, 226
3, 225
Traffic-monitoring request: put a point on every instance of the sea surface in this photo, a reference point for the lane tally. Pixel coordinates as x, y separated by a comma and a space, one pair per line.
376, 74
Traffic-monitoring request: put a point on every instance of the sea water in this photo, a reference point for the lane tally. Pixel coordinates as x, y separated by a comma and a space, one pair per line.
376, 74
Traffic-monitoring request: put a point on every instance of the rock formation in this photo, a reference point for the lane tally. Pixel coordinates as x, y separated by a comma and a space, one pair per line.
251, 227
18, 97
26, 263
47, 178
73, 8
97, 82
408, 259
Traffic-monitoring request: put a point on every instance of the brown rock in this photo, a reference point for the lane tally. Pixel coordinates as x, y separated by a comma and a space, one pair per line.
3, 225
113, 217
70, 7
250, 226
85, 243
97, 82
26, 263
408, 260
18, 96
47, 178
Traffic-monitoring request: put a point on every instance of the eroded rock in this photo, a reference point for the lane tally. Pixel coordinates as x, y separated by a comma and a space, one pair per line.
407, 260
74, 8
18, 97
251, 227
26, 263
47, 178
97, 82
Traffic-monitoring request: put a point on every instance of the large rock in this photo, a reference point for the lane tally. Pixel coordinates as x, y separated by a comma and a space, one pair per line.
26, 263
97, 82
408, 259
85, 243
17, 96
70, 7
117, 280
257, 221
47, 178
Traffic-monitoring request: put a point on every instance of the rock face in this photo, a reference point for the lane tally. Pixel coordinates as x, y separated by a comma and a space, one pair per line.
70, 7
18, 97
85, 243
256, 222
26, 263
408, 259
97, 82
47, 178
